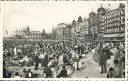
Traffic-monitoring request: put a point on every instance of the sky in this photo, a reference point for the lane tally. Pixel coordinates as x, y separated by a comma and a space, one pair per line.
46, 15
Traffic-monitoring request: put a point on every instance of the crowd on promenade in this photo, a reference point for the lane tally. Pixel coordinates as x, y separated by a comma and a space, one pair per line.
111, 58
46, 56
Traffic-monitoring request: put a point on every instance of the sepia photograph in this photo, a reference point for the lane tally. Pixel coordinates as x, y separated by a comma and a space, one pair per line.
64, 39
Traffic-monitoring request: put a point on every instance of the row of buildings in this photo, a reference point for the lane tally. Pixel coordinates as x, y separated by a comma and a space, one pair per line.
103, 25
29, 34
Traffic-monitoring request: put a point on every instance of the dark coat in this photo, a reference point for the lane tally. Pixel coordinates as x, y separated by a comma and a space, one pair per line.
103, 57
37, 60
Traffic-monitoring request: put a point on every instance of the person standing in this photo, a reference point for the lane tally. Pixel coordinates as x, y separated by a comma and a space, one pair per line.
46, 59
117, 69
37, 60
103, 60
41, 58
99, 52
75, 57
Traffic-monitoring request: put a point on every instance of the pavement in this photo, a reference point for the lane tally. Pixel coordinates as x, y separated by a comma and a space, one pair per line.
90, 69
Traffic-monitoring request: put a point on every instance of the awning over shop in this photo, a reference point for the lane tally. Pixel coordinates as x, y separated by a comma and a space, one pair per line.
111, 35
122, 35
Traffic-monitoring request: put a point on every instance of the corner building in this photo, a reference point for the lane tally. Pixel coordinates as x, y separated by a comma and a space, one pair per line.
111, 24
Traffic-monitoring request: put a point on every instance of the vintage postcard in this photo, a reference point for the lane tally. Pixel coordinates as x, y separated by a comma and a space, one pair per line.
64, 39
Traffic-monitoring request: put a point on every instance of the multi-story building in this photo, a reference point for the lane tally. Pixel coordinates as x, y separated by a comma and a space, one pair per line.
26, 33
73, 30
92, 28
93, 23
111, 25
79, 29
35, 35
83, 29
60, 31
67, 32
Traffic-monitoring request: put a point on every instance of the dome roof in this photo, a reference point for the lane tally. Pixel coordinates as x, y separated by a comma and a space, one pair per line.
101, 8
92, 14
79, 19
73, 21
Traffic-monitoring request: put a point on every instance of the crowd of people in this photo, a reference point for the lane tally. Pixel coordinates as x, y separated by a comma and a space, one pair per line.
44, 55
54, 58
111, 58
